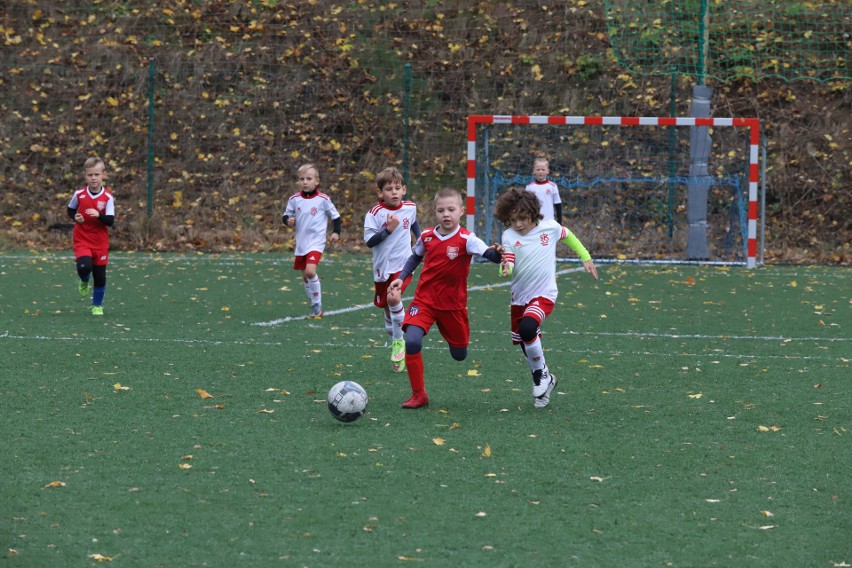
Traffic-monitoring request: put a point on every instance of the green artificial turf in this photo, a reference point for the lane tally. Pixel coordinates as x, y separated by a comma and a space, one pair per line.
702, 418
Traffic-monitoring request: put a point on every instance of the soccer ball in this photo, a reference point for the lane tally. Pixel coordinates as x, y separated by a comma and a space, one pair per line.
347, 401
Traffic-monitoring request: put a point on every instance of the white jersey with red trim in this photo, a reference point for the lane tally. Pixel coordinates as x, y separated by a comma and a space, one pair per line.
390, 255
446, 265
548, 194
91, 231
312, 213
534, 258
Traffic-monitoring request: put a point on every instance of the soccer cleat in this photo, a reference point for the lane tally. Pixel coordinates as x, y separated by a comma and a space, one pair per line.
544, 400
417, 400
97, 310
83, 287
316, 311
541, 380
398, 355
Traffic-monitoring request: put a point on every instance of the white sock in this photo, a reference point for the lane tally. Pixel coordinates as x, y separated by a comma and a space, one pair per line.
388, 325
313, 288
535, 355
397, 314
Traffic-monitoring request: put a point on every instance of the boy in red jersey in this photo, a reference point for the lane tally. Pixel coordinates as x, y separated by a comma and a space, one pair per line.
388, 227
309, 211
93, 210
529, 257
441, 294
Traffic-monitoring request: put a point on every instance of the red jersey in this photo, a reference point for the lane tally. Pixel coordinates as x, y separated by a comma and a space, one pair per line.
446, 265
91, 232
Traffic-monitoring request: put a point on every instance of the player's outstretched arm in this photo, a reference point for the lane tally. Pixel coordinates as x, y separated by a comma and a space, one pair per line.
589, 266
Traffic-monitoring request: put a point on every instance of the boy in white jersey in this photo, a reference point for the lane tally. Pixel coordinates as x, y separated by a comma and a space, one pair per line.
309, 211
529, 257
546, 191
388, 227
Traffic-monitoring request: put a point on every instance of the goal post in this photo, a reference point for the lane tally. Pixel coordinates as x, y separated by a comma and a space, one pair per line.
623, 182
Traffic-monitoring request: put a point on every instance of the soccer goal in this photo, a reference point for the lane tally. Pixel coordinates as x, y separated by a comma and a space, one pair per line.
647, 189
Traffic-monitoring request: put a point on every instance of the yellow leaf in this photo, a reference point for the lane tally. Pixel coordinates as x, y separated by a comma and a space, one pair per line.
438, 441
481, 514
120, 387
112, 101
487, 451
100, 557
185, 466
766, 514
266, 411
455, 425
696, 395
793, 284
226, 309
762, 429
490, 475
203, 393
473, 373
186, 457
55, 484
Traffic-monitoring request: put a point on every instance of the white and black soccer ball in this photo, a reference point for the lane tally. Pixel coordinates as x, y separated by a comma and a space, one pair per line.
347, 401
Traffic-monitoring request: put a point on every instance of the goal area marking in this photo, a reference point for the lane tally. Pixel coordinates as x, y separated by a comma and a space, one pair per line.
751, 124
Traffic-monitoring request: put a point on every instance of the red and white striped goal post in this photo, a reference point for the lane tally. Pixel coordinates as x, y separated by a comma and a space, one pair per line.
753, 124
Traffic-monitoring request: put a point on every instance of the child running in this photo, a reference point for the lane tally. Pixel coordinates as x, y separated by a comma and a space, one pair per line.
93, 210
309, 211
529, 257
441, 294
388, 227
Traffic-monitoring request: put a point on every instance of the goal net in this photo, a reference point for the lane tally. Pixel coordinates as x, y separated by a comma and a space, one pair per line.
632, 188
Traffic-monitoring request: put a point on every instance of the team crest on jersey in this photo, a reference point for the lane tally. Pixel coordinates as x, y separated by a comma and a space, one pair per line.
314, 211
412, 311
101, 205
452, 252
405, 224
545, 240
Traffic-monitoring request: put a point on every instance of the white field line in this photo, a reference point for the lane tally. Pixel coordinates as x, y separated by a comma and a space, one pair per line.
370, 305
441, 347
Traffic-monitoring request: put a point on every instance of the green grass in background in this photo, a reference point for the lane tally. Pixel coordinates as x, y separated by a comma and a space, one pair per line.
702, 419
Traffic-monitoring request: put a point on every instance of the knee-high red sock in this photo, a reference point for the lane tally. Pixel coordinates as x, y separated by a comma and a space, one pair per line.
414, 365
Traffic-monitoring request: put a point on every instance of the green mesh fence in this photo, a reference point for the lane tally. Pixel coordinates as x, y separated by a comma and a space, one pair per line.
724, 39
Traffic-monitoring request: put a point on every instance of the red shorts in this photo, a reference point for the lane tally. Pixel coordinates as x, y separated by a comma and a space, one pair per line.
538, 309
453, 324
302, 262
381, 298
100, 256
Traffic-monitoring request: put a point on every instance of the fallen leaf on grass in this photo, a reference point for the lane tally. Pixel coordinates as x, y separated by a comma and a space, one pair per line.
481, 514
769, 428
696, 395
598, 479
215, 407
767, 514
120, 387
473, 373
100, 558
55, 484
438, 441
203, 393
266, 411
185, 465
487, 452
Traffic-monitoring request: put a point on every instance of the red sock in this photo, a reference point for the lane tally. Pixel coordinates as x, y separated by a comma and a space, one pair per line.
414, 365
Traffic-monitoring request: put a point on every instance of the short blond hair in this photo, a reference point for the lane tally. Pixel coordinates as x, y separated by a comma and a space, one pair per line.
449, 192
93, 161
305, 167
541, 160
